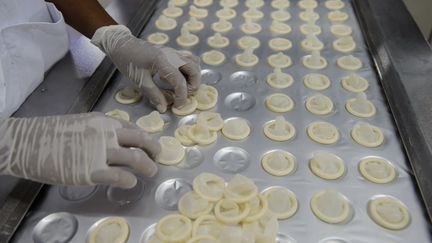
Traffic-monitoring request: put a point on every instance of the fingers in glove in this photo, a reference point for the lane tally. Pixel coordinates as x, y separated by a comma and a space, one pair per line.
192, 72
176, 79
133, 158
152, 92
116, 177
138, 139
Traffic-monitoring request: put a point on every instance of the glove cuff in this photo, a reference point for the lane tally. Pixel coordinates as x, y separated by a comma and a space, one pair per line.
106, 38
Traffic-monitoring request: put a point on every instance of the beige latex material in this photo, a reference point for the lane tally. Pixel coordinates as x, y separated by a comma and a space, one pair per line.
312, 43
281, 28
209, 186
119, 114
360, 106
306, 4
201, 134
334, 4
207, 225
340, 30
212, 120
213, 58
344, 44
279, 129
165, 23
218, 41
194, 25
349, 63
254, 3
226, 13
367, 135
174, 228
309, 15
330, 207
246, 42
192, 205
279, 102
247, 58
327, 165
222, 25
279, 80
280, 44
319, 104
206, 96
281, 202
172, 11
236, 129
202, 239
179, 2
181, 134
229, 212
280, 4
152, 122
377, 170
310, 28
240, 189
185, 52
389, 212
172, 152
128, 95
280, 15
235, 234
316, 81
279, 60
323, 132
111, 229
188, 108
198, 13
229, 3
278, 163
264, 229
253, 13
314, 61
258, 207
250, 27
203, 3
355, 83
337, 16
186, 39
158, 38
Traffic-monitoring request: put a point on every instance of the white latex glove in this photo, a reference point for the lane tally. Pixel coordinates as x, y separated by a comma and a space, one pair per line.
82, 149
140, 60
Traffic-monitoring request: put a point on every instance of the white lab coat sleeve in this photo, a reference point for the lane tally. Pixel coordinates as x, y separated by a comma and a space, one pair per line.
27, 50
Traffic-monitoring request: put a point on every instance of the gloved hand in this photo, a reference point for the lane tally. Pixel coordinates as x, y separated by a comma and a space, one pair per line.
82, 149
140, 60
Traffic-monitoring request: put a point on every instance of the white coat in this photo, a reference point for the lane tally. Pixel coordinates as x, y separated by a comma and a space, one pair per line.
33, 37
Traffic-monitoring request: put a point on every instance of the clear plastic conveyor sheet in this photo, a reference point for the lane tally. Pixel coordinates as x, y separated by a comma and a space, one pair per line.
242, 93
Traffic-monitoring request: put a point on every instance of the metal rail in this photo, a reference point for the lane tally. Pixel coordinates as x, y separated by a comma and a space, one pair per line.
403, 59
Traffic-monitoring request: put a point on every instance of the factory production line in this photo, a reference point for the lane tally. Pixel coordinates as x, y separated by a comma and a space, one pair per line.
317, 129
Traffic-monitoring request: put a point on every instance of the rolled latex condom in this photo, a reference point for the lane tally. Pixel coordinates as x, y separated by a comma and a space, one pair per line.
279, 80
367, 135
250, 27
310, 28
218, 40
315, 61
247, 58
193, 24
172, 11
312, 43
186, 39
355, 83
361, 106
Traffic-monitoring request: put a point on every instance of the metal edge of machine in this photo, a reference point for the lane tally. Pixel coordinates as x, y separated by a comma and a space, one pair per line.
25, 192
403, 60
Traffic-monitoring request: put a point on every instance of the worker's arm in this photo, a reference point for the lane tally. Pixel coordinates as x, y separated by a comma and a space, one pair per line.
86, 16
135, 58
